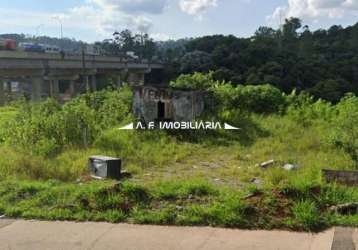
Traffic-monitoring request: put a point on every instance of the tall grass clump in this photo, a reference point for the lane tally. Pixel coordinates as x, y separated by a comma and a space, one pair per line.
307, 215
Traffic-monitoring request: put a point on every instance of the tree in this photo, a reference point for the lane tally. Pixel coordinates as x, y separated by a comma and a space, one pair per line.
264, 32
196, 61
147, 47
290, 27
125, 40
330, 90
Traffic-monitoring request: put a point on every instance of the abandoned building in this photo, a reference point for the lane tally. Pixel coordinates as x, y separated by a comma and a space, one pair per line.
161, 103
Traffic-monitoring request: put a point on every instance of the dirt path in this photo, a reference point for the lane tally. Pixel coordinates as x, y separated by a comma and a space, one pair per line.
29, 235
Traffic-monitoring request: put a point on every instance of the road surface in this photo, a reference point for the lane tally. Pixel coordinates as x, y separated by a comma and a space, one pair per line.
38, 235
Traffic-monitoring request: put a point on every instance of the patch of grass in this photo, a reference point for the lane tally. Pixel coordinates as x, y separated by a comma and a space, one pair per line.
192, 204
307, 215
183, 189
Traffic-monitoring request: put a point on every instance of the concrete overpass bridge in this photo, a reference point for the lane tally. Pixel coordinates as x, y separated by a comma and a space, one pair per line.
41, 75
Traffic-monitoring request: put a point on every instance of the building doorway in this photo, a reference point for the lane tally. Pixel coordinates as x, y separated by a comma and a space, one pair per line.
161, 110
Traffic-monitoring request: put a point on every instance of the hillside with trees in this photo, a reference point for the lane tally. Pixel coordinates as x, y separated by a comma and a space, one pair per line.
322, 62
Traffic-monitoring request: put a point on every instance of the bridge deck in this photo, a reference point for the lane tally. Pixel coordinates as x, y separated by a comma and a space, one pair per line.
31, 60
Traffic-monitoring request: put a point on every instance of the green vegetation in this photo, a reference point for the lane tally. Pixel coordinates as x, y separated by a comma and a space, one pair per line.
197, 81
292, 57
346, 133
178, 203
182, 178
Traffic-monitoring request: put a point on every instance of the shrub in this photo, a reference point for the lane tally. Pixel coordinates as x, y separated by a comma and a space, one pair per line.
303, 108
7, 114
47, 127
258, 99
345, 132
261, 99
194, 81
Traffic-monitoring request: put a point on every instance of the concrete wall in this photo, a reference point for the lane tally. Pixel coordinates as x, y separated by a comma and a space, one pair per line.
39, 87
179, 105
342, 177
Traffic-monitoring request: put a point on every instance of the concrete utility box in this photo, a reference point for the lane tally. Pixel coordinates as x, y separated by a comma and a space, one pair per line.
105, 167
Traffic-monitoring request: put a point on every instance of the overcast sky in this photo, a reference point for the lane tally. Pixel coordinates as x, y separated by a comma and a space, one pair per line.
93, 20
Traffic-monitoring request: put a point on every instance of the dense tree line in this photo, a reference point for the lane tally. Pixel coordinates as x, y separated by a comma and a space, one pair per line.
322, 62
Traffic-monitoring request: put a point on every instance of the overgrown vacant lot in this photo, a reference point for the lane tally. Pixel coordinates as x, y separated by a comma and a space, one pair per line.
187, 177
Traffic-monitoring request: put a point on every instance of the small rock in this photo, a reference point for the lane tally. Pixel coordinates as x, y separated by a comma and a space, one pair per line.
256, 181
290, 167
266, 164
251, 195
205, 164
97, 177
2, 216
214, 165
345, 209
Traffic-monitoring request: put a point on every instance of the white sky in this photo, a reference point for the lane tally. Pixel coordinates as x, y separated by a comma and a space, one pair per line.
93, 20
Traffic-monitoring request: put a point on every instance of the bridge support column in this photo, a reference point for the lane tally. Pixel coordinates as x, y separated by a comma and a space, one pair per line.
2, 93
87, 83
54, 89
72, 88
94, 82
119, 81
9, 90
36, 89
